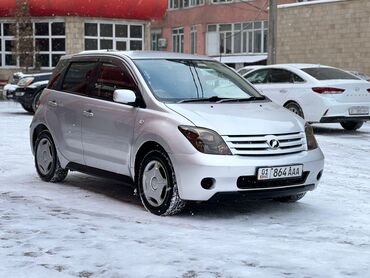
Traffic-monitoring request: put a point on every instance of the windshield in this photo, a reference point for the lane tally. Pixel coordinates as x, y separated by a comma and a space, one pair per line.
181, 80
329, 74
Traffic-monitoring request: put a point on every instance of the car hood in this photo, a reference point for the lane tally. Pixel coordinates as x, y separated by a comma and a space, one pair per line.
253, 118
39, 83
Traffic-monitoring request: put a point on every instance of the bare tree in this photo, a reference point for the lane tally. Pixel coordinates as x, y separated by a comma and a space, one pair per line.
23, 45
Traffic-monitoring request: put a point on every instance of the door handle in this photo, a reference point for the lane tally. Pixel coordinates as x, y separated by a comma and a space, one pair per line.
283, 91
52, 103
88, 113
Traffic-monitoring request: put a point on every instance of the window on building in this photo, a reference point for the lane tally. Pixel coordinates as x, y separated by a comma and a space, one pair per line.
49, 39
117, 36
155, 36
237, 38
179, 4
50, 43
178, 40
193, 39
222, 1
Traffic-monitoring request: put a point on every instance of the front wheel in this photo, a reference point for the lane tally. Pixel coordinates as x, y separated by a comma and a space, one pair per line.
291, 198
27, 108
157, 185
46, 159
351, 125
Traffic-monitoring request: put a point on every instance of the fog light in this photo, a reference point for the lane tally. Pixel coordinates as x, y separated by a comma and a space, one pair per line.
208, 183
319, 175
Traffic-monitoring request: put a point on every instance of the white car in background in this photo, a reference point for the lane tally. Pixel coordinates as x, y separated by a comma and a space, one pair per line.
317, 93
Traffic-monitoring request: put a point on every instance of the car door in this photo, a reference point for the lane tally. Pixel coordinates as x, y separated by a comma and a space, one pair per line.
67, 104
107, 126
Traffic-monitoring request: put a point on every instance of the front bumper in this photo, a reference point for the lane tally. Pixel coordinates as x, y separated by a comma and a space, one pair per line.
23, 96
225, 170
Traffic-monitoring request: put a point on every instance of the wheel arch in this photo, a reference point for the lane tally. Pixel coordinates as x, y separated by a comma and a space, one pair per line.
38, 129
297, 103
142, 151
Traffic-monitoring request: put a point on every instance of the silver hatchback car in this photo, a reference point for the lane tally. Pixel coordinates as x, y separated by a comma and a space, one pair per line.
179, 127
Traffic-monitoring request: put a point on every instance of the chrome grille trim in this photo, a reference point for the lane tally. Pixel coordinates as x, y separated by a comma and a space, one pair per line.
258, 144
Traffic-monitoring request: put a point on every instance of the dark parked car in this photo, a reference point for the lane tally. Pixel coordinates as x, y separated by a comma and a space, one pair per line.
29, 90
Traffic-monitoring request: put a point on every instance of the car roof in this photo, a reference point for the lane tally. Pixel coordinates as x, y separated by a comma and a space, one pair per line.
138, 55
299, 66
250, 67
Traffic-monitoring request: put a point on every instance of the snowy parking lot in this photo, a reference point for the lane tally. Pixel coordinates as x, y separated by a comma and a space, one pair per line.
92, 227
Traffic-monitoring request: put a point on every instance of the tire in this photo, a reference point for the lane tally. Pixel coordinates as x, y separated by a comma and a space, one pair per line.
351, 125
295, 108
27, 108
156, 183
46, 159
290, 199
35, 101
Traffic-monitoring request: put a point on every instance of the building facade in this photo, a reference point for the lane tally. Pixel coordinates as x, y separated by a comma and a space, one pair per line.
235, 31
334, 33
62, 27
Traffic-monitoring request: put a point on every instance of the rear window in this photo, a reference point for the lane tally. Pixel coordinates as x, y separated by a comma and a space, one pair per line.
329, 74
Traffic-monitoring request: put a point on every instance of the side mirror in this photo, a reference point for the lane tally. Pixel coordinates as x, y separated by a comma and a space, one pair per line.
124, 96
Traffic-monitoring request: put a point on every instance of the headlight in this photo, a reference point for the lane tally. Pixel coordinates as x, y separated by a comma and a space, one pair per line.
24, 82
310, 137
205, 140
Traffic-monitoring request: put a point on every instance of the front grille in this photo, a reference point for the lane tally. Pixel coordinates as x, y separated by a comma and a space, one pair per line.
257, 145
251, 182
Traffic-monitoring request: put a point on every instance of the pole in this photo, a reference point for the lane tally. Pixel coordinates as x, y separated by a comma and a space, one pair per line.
271, 44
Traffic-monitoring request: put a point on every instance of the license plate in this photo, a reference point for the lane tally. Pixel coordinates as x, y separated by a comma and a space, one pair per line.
270, 173
359, 110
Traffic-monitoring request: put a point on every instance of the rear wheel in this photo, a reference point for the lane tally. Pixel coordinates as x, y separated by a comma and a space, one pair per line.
295, 108
351, 125
157, 185
46, 159
291, 198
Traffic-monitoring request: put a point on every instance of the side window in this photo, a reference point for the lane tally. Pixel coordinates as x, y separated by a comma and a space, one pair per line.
280, 76
257, 77
78, 77
283, 76
110, 78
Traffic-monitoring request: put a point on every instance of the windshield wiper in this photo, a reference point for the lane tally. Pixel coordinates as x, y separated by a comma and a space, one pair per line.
210, 99
220, 99
241, 99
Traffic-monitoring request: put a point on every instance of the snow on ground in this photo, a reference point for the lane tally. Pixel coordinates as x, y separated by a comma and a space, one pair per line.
91, 227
